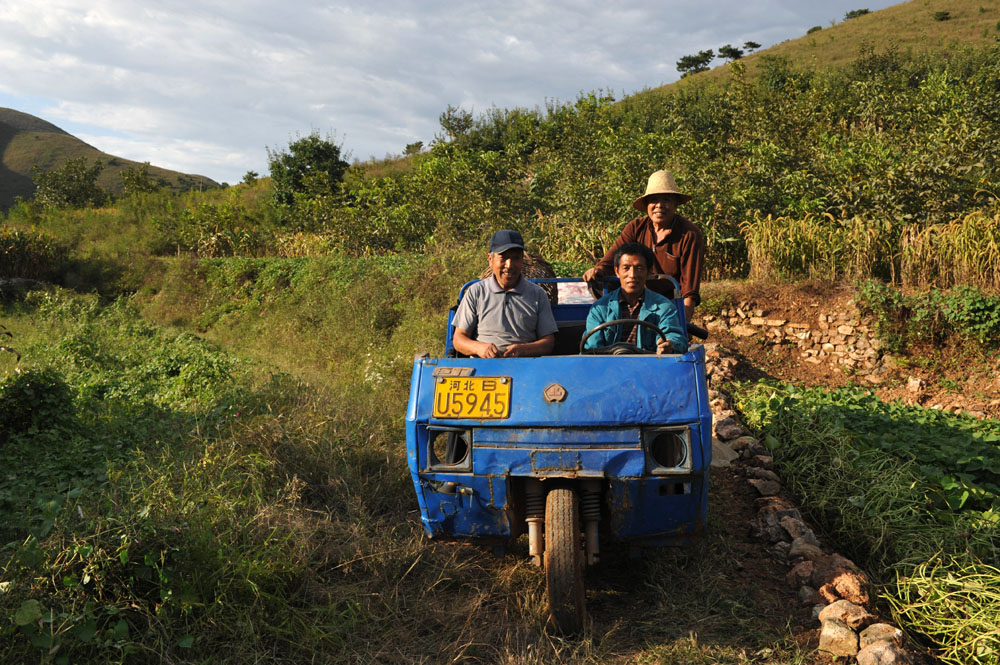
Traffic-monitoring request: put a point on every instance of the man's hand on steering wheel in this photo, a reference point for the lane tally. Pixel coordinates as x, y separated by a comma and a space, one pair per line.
619, 348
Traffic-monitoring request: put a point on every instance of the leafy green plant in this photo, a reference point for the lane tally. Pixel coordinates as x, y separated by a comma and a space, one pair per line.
311, 164
914, 492
932, 316
34, 400
73, 185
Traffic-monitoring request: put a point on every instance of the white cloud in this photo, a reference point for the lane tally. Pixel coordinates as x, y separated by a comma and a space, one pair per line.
204, 86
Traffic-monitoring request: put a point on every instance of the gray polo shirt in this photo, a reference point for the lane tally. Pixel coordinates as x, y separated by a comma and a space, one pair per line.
490, 314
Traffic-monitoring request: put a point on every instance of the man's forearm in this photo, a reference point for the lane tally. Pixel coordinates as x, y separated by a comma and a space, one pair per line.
470, 347
688, 308
539, 347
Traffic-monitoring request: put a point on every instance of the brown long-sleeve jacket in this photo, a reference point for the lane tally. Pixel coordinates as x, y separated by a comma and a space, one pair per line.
681, 254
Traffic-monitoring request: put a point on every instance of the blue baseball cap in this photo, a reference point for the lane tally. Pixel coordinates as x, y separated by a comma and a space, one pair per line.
504, 240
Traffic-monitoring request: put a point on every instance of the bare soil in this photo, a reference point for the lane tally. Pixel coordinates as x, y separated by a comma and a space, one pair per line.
954, 376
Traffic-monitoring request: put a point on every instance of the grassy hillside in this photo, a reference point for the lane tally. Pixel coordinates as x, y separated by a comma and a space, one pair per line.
27, 141
909, 28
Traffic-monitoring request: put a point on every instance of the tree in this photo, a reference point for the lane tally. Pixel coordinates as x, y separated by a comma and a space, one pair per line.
854, 13
692, 64
455, 121
311, 165
750, 47
135, 179
250, 177
730, 52
72, 186
413, 148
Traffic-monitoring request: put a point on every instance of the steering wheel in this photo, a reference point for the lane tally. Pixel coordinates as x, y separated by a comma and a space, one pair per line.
619, 348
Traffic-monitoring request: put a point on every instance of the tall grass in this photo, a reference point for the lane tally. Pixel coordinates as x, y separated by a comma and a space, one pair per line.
964, 251
819, 246
29, 253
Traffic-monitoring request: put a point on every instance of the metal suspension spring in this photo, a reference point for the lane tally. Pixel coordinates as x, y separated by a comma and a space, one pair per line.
591, 504
535, 505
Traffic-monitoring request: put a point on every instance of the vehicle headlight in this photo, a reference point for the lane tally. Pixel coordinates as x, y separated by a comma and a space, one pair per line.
449, 449
668, 450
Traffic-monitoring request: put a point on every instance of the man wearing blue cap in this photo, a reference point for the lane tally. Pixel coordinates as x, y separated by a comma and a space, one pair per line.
503, 315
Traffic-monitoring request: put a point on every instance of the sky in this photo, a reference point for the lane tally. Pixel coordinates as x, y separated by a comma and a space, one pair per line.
207, 86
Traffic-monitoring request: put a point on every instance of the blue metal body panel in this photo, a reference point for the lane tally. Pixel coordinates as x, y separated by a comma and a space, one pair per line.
601, 428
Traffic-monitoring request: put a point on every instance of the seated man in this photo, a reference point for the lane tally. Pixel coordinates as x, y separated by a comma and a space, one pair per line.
633, 300
504, 316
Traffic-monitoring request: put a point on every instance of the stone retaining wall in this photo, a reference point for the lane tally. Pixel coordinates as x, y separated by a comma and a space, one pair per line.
838, 339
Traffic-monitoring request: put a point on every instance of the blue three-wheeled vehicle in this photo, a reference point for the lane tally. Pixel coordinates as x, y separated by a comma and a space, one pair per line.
570, 448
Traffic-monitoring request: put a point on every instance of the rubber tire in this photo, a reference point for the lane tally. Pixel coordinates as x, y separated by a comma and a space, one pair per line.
564, 560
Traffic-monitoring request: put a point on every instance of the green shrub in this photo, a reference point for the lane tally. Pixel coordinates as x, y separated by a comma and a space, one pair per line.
34, 400
73, 185
29, 254
931, 317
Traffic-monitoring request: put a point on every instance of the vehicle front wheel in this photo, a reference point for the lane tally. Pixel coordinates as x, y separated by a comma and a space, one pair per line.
564, 560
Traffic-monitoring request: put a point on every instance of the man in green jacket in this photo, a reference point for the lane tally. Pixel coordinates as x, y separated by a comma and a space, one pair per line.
632, 263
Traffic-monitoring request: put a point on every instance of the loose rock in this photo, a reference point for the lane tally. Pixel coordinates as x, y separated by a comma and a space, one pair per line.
803, 549
762, 474
853, 616
881, 632
800, 574
765, 487
770, 512
728, 429
836, 638
722, 455
837, 577
883, 653
809, 596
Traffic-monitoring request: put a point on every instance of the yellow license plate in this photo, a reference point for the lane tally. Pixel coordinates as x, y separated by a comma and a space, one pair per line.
480, 397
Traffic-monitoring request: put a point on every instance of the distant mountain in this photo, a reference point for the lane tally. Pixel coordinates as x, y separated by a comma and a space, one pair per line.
27, 141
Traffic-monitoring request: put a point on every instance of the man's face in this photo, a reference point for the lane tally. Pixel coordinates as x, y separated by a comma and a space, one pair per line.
506, 267
661, 207
632, 272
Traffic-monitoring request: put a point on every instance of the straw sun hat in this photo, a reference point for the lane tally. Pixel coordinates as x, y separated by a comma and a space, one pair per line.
661, 182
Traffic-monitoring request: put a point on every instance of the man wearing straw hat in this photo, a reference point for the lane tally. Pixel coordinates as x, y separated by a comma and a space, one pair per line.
677, 245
